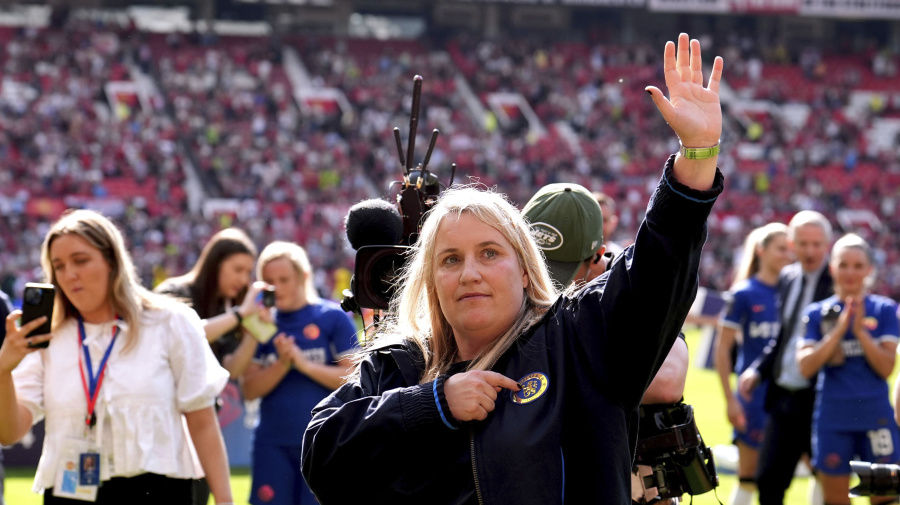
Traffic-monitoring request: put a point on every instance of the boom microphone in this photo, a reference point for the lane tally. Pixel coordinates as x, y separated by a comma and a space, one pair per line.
373, 222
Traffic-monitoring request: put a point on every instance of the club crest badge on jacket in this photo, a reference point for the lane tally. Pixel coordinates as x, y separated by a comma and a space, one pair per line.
532, 386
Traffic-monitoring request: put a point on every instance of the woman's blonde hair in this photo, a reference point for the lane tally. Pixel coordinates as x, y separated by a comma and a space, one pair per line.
296, 255
127, 296
757, 240
416, 310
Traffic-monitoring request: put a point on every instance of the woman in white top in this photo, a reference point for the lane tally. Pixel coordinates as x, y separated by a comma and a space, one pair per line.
122, 367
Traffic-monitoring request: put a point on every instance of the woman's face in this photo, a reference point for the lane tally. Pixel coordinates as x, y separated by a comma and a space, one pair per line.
776, 254
849, 268
234, 274
478, 279
280, 272
83, 274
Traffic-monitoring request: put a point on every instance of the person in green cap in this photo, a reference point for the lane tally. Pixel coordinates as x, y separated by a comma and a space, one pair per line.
567, 224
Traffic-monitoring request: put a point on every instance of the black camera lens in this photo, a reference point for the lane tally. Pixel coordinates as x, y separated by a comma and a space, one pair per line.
876, 479
33, 296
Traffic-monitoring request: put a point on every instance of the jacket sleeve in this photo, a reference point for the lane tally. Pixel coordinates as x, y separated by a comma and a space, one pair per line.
626, 329
369, 425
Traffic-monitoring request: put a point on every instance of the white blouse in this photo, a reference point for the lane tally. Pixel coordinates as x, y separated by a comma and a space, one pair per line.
168, 371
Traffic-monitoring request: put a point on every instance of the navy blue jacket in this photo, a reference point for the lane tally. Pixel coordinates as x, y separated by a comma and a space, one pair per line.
384, 438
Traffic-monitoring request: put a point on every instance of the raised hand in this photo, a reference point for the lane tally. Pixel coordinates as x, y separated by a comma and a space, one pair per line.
250, 305
15, 345
472, 395
693, 111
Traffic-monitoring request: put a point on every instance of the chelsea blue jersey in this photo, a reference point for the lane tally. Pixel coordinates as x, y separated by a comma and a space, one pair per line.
753, 311
325, 334
852, 396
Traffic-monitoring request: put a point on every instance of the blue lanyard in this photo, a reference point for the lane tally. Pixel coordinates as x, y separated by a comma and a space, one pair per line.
93, 383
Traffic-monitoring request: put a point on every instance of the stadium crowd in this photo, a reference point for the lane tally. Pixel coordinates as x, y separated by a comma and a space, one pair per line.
226, 106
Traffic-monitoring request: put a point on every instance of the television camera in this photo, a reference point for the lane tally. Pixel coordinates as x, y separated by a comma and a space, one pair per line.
875, 479
671, 457
382, 232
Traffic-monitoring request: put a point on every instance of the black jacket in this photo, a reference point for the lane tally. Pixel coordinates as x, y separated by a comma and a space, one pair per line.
381, 438
768, 362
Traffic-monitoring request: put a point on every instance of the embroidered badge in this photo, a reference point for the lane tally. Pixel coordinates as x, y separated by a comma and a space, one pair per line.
311, 331
532, 387
870, 323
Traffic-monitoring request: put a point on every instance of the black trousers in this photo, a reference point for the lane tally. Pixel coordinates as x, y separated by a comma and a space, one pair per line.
787, 437
144, 489
199, 491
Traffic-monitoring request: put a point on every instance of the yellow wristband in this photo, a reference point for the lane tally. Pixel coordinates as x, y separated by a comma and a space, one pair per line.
699, 153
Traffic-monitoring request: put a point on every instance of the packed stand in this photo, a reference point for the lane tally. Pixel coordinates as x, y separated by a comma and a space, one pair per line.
229, 102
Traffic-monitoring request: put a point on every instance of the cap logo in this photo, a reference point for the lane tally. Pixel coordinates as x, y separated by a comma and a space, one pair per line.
547, 237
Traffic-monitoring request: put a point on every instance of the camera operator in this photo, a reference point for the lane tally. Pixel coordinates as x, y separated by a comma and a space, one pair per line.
484, 380
567, 223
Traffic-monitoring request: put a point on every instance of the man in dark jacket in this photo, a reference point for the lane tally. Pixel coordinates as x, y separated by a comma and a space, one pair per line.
790, 396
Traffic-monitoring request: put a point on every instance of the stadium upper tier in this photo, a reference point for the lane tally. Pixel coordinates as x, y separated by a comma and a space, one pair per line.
282, 135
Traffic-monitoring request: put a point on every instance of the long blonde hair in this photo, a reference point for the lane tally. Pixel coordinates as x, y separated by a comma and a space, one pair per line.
416, 310
126, 295
755, 242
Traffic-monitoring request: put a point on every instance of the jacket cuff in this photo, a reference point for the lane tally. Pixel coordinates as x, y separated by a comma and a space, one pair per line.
679, 203
443, 407
419, 408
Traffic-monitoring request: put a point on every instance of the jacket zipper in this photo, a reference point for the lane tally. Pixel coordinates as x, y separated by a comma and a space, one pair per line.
474, 469
472, 450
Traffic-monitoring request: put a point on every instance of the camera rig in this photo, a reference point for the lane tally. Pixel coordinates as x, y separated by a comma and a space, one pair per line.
672, 452
379, 256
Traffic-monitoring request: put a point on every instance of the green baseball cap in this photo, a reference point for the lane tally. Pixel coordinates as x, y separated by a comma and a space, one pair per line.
567, 224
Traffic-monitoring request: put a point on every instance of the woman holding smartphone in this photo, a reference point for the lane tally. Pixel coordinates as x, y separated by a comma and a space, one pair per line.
218, 288
123, 368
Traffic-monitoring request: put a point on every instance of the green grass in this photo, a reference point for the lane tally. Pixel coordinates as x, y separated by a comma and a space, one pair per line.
702, 391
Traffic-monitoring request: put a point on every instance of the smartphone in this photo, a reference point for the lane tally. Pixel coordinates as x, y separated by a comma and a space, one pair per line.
268, 296
37, 301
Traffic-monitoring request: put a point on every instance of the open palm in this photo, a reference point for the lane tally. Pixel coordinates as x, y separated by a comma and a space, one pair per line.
692, 110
